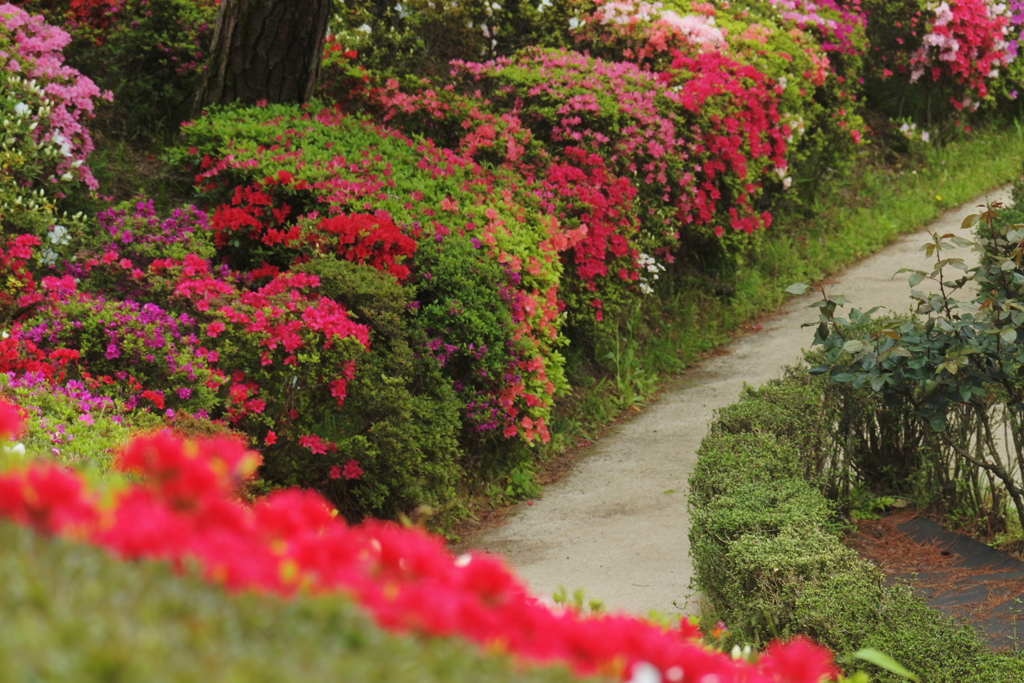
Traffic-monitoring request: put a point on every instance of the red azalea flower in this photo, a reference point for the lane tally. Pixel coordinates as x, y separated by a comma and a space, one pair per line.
11, 421
314, 443
352, 470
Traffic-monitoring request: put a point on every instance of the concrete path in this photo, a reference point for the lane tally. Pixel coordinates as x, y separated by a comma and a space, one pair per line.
616, 525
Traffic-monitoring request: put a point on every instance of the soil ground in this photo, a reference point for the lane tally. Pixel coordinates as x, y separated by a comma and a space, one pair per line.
615, 525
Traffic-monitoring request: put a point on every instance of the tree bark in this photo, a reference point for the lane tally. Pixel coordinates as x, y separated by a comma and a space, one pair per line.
265, 50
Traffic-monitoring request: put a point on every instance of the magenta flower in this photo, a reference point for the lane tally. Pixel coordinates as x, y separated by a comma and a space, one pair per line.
352, 470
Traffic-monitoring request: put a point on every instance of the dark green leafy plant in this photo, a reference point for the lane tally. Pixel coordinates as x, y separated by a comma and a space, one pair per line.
401, 416
959, 366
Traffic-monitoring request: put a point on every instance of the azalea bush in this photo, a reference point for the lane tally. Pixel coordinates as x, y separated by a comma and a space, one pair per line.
810, 54
1009, 85
610, 147
179, 506
473, 246
44, 141
937, 59
193, 342
73, 423
149, 53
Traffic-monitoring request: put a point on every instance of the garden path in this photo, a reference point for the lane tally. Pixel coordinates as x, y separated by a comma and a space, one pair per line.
616, 525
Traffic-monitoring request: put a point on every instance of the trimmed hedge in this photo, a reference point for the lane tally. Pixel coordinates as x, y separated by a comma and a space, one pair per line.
767, 550
72, 612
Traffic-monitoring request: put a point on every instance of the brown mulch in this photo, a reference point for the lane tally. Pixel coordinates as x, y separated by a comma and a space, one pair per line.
963, 584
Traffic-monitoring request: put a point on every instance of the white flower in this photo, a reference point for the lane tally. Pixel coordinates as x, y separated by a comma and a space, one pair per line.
21, 109
59, 235
365, 28
65, 144
17, 449
645, 673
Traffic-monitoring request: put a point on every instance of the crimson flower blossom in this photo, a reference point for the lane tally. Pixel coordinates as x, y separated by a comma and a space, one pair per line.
314, 443
352, 470
12, 423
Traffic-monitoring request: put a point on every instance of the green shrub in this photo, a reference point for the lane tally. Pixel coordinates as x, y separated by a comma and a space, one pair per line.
768, 555
421, 37
75, 613
150, 54
401, 416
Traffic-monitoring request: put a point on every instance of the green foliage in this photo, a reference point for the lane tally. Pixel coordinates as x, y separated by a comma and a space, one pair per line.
401, 416
768, 558
895, 28
578, 601
519, 484
421, 37
957, 368
53, 427
151, 57
74, 613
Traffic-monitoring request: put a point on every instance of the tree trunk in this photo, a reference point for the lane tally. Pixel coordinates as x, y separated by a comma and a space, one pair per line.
265, 50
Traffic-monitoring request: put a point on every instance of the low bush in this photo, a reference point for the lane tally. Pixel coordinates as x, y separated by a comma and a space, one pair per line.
175, 500
149, 54
74, 612
44, 138
767, 549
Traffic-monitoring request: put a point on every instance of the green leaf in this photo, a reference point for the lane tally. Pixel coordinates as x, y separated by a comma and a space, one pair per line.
937, 424
1009, 335
915, 278
823, 331
818, 370
884, 661
844, 377
969, 222
1008, 265
798, 288
877, 383
853, 346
